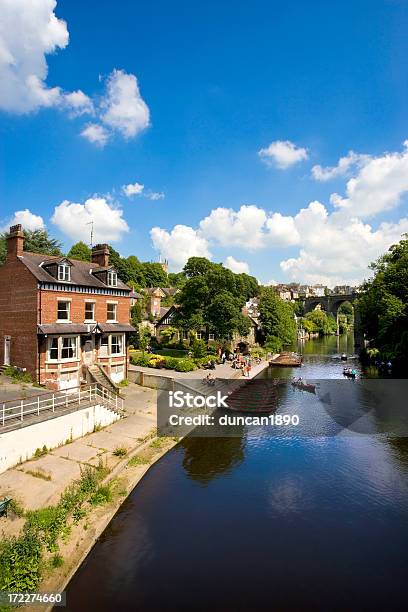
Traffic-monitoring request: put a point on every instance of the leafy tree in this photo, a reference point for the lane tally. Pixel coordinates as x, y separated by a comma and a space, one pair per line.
35, 241
383, 304
322, 323
144, 337
277, 318
80, 251
197, 266
224, 316
154, 275
177, 279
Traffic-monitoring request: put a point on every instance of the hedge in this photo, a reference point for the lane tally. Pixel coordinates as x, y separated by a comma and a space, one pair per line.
161, 361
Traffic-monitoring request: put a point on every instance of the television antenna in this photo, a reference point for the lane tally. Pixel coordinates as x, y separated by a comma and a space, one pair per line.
91, 223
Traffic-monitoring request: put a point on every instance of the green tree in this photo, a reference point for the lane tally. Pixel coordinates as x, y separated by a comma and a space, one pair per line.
277, 318
322, 323
177, 279
383, 304
81, 251
35, 241
154, 275
224, 316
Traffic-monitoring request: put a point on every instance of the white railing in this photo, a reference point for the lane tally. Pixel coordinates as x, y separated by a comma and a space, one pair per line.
59, 401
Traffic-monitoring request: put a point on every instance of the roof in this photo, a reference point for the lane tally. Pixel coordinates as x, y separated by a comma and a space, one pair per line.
151, 290
73, 328
115, 327
169, 291
135, 295
80, 271
164, 311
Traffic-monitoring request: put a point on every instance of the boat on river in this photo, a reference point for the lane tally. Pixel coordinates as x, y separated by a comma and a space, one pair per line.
287, 360
349, 373
304, 386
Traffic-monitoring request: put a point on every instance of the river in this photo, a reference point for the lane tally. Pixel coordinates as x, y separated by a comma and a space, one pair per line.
315, 519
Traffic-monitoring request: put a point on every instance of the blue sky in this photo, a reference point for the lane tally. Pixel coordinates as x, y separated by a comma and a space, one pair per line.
218, 82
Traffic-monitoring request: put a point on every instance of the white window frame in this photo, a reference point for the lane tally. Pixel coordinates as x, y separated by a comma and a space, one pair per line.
120, 344
64, 301
115, 305
64, 272
108, 344
185, 334
60, 341
211, 336
200, 335
112, 278
90, 303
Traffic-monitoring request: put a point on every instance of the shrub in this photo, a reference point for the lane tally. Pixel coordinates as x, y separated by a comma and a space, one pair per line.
102, 495
20, 562
199, 348
185, 365
171, 363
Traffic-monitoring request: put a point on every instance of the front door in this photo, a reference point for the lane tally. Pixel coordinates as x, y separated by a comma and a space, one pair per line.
88, 352
7, 348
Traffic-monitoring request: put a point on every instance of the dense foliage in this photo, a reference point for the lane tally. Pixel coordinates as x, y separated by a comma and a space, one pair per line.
383, 304
80, 251
212, 297
36, 241
277, 319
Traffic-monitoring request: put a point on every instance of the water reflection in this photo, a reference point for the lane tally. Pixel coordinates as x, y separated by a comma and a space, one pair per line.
207, 458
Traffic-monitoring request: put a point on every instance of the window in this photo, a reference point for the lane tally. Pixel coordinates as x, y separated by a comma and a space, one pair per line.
211, 336
185, 334
89, 311
64, 272
112, 278
104, 350
111, 312
200, 335
68, 349
116, 345
62, 348
63, 313
53, 349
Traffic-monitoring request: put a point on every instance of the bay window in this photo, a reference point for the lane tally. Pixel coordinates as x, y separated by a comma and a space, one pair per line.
63, 348
112, 344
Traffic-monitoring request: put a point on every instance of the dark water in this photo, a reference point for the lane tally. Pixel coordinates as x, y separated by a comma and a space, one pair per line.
264, 521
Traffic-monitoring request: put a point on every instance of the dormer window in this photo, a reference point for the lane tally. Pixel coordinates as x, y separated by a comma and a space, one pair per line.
112, 278
64, 272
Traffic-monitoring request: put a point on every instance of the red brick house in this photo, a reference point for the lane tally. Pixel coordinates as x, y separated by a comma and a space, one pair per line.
63, 319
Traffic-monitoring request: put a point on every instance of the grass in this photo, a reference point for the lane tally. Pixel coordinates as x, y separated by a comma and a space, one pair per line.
138, 460
39, 474
17, 376
102, 495
40, 452
120, 451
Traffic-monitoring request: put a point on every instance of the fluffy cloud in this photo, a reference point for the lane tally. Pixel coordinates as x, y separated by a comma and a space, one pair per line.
96, 134
336, 249
124, 109
74, 220
29, 31
132, 189
28, 220
236, 266
378, 186
179, 244
282, 154
344, 165
242, 228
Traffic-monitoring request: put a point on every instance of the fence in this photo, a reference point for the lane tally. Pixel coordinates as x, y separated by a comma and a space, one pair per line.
61, 401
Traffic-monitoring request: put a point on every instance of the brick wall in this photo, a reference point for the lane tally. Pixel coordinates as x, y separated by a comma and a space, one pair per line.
49, 305
18, 315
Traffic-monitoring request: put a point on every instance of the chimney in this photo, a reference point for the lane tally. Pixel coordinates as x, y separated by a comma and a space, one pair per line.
100, 255
15, 242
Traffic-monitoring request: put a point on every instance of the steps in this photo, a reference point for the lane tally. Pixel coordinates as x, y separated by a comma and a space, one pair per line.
98, 375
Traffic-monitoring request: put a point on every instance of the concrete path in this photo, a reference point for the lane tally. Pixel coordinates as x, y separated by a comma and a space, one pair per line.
40, 482
221, 371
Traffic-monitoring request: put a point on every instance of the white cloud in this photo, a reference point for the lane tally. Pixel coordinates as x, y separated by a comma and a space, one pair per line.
282, 154
132, 189
74, 220
28, 32
378, 186
343, 167
154, 195
123, 108
96, 134
78, 103
242, 228
236, 266
337, 249
179, 244
281, 231
28, 220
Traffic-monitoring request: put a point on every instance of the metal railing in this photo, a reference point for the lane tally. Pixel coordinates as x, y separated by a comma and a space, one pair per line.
59, 401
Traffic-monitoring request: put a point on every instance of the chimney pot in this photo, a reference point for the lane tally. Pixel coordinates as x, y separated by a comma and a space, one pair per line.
15, 242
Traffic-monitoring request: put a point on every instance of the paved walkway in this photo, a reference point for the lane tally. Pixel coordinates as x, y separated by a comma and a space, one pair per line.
221, 371
63, 465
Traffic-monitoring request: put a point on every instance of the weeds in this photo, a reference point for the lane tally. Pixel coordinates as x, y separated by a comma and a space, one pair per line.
120, 451
137, 460
40, 452
39, 474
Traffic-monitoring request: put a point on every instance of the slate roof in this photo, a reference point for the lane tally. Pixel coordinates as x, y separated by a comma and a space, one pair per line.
115, 327
73, 328
80, 271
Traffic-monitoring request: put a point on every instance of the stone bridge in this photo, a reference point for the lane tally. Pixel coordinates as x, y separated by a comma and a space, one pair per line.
331, 304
